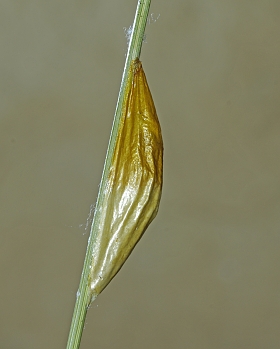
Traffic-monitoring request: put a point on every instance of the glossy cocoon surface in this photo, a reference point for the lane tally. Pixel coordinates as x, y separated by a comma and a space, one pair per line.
133, 187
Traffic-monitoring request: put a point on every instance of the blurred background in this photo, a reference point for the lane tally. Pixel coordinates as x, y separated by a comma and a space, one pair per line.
206, 273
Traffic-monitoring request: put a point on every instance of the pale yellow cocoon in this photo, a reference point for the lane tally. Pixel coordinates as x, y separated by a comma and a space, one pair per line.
133, 188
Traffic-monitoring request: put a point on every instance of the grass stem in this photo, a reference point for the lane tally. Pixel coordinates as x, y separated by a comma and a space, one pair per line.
83, 298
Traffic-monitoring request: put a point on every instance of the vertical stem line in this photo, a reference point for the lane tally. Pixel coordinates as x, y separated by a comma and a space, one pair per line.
83, 298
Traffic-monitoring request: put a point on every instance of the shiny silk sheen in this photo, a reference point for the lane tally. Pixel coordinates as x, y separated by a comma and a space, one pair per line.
133, 188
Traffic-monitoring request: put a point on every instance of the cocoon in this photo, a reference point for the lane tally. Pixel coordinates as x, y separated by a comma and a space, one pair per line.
133, 187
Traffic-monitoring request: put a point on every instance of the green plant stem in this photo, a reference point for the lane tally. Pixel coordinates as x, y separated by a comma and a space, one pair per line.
83, 298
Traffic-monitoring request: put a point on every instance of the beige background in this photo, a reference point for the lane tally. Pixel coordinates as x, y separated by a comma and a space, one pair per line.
206, 273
